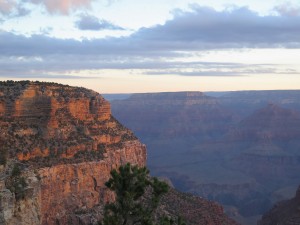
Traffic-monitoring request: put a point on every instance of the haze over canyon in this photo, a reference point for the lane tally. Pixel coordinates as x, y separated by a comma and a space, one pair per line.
239, 148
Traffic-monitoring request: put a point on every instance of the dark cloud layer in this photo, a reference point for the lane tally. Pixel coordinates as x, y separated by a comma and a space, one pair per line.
201, 29
88, 22
205, 28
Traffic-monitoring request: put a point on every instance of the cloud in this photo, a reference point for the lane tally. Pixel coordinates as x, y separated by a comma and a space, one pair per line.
288, 9
215, 73
15, 8
42, 76
206, 28
63, 6
200, 29
110, 2
11, 8
89, 22
220, 69
6, 6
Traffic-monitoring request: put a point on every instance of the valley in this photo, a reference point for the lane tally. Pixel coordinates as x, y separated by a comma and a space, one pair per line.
241, 149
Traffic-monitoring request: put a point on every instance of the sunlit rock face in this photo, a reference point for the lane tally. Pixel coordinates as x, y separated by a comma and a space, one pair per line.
68, 142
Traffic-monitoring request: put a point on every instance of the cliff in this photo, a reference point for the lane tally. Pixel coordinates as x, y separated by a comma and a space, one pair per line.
66, 142
284, 213
58, 145
56, 121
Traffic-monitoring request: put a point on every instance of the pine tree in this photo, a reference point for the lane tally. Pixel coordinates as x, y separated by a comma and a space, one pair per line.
137, 197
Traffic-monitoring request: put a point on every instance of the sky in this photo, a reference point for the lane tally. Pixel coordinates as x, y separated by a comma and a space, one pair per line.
127, 46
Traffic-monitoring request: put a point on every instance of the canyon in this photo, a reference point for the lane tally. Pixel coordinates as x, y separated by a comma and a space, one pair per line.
58, 146
238, 148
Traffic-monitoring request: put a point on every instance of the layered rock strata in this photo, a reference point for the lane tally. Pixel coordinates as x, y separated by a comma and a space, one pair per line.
66, 142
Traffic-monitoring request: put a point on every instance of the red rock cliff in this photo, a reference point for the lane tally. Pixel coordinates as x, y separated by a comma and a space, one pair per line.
67, 136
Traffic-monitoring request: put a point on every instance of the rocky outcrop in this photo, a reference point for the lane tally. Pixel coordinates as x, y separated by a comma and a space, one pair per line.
66, 142
284, 213
46, 120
